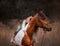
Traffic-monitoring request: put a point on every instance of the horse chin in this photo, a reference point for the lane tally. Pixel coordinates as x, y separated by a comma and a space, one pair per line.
47, 29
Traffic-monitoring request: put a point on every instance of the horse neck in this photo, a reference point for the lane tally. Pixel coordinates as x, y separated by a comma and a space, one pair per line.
31, 27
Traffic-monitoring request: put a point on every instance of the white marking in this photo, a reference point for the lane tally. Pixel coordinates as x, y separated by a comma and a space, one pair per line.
20, 34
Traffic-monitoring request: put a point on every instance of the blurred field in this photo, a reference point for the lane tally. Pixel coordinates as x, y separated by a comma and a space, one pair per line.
50, 38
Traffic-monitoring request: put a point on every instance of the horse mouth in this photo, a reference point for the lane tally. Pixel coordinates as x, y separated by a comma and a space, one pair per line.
47, 29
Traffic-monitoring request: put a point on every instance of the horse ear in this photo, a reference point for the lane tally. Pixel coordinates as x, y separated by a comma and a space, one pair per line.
36, 14
41, 15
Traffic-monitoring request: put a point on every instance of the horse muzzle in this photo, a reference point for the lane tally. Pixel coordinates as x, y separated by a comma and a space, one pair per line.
47, 29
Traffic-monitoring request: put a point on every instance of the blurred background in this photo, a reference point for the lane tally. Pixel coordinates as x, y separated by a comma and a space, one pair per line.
12, 11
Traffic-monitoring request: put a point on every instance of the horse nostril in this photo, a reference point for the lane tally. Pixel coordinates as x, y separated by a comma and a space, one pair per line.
50, 29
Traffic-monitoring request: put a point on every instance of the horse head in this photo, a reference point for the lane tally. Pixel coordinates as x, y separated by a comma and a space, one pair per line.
42, 22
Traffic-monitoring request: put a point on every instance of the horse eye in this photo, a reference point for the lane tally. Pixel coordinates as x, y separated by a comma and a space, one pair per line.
43, 18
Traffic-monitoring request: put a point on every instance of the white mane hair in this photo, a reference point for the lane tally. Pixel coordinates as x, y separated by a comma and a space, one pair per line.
18, 38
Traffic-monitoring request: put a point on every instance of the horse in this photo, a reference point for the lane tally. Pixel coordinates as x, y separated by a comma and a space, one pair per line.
36, 21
